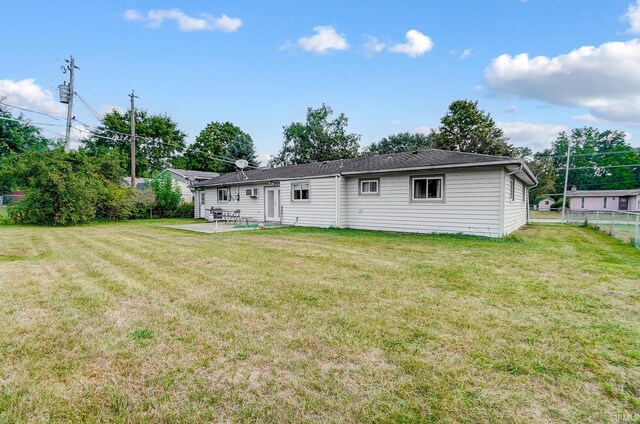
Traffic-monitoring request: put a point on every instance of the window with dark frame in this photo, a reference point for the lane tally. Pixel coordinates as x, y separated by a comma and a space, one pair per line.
202, 197
300, 191
605, 203
513, 189
223, 195
582, 203
370, 186
427, 188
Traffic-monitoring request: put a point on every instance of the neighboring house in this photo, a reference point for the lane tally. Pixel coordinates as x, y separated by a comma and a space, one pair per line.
185, 178
545, 204
140, 182
430, 191
605, 200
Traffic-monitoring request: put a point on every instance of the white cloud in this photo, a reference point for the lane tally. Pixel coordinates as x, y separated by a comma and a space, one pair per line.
417, 44
511, 109
535, 136
633, 17
585, 118
373, 45
423, 130
393, 122
602, 79
264, 158
325, 39
27, 94
186, 23
465, 54
133, 15
104, 109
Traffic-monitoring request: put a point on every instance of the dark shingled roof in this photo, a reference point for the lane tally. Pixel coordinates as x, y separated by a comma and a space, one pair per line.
382, 163
193, 175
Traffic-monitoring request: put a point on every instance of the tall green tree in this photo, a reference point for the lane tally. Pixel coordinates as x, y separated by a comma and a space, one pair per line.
17, 134
466, 128
219, 140
318, 139
403, 142
240, 147
600, 160
159, 140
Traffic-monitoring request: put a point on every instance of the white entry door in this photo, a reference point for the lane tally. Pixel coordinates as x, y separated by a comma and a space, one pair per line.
272, 204
203, 213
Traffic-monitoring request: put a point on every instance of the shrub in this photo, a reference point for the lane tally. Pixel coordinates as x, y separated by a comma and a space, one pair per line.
168, 196
185, 210
558, 203
60, 188
144, 202
116, 202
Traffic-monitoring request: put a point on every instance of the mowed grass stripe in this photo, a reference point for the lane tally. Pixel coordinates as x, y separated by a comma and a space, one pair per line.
151, 324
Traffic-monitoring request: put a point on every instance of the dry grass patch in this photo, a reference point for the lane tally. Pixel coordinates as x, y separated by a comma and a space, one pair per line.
134, 322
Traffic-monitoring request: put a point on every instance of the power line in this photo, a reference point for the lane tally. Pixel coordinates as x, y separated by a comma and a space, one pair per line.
594, 167
88, 106
32, 111
31, 123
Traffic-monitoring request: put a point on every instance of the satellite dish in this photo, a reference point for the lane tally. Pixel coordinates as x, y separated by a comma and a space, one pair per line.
241, 163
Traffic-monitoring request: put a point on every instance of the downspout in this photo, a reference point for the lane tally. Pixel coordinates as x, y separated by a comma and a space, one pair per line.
337, 202
502, 195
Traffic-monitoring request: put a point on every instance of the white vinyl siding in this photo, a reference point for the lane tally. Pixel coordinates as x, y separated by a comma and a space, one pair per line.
196, 204
470, 204
250, 207
318, 211
515, 211
343, 202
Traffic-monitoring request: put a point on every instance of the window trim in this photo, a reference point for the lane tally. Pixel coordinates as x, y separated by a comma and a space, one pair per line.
368, 180
427, 177
203, 197
524, 193
582, 203
605, 203
300, 183
512, 188
228, 195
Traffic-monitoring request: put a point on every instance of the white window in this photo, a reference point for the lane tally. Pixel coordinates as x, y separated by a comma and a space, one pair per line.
202, 197
223, 195
513, 189
369, 186
426, 188
582, 203
300, 191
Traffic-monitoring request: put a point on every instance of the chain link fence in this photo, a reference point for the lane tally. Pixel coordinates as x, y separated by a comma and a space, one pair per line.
619, 224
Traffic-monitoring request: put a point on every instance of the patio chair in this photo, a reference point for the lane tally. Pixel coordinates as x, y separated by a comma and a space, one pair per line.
235, 216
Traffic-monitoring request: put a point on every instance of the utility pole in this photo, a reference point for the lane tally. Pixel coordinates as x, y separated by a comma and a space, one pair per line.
133, 139
71, 67
566, 179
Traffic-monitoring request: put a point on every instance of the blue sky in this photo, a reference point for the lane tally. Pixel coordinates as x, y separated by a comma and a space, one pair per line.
389, 66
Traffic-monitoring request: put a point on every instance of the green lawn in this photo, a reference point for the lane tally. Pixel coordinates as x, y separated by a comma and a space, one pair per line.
133, 322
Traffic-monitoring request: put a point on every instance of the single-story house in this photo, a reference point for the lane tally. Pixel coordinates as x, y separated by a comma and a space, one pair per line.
186, 177
605, 200
429, 191
545, 204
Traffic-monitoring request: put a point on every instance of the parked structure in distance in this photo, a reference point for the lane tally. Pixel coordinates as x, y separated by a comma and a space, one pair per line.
182, 178
429, 191
605, 200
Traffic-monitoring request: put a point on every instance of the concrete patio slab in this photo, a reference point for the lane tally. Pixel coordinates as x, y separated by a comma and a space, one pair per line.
221, 227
